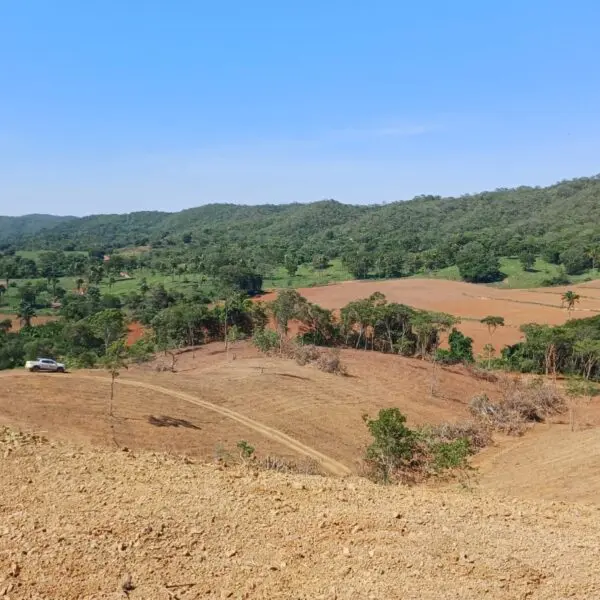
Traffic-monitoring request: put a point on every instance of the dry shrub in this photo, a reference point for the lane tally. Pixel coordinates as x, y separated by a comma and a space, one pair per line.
520, 405
307, 466
304, 355
325, 359
329, 361
481, 374
477, 434
497, 416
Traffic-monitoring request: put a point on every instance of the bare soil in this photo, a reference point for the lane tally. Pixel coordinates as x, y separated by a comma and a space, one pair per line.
140, 505
82, 524
135, 331
215, 400
16, 324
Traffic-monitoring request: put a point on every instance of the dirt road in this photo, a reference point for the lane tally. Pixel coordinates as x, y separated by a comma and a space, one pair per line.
330, 465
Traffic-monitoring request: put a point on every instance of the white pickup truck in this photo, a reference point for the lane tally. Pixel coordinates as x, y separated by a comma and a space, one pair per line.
45, 364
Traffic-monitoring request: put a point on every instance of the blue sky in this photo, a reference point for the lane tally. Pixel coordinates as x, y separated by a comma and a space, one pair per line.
113, 106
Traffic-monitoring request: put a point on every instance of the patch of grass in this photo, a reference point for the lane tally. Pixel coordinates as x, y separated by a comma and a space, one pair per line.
34, 254
185, 284
450, 273
516, 276
307, 276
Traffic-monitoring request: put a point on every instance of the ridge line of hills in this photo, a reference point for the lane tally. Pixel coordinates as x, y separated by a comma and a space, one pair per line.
564, 211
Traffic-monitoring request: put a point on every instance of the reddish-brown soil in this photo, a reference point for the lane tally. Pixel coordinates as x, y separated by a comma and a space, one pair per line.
298, 413
316, 410
16, 325
468, 301
135, 331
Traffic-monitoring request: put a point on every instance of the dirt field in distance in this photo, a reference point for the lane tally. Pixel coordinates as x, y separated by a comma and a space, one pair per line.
466, 300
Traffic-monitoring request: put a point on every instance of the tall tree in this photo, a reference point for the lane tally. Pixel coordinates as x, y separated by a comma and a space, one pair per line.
593, 253
5, 325
568, 300
25, 312
109, 326
492, 323
284, 308
8, 269
291, 264
113, 361
478, 264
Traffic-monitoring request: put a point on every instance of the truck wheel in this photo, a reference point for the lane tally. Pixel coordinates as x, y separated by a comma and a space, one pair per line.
60, 370
34, 369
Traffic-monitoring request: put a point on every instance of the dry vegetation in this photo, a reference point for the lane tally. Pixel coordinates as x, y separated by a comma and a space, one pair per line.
520, 405
327, 360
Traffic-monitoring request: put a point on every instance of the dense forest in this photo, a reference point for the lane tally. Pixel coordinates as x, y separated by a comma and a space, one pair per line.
12, 228
558, 223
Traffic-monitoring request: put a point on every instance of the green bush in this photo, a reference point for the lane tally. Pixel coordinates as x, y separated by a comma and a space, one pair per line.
246, 450
393, 443
142, 350
477, 264
266, 340
411, 455
560, 278
575, 260
450, 455
85, 360
461, 349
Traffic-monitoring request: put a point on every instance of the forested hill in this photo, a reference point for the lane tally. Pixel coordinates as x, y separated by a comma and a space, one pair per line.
505, 221
14, 228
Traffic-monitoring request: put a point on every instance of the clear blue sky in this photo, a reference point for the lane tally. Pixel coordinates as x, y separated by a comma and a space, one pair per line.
114, 106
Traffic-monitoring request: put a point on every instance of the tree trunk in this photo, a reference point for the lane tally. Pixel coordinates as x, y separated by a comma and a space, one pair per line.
588, 369
390, 339
112, 393
572, 417
432, 390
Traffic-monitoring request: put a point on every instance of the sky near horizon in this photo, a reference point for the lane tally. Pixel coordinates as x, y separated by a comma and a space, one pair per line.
112, 106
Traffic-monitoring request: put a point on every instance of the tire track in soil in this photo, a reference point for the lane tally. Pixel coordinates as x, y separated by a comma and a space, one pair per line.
329, 464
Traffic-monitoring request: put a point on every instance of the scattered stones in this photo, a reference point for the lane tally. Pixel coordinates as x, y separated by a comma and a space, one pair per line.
139, 523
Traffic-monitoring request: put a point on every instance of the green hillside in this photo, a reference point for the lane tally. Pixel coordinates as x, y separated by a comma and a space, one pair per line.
14, 228
558, 224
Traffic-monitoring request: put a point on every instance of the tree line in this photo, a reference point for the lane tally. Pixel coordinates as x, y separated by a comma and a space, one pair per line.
90, 321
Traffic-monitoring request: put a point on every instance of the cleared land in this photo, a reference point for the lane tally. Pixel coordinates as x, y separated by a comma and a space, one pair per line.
169, 411
76, 523
297, 413
551, 462
16, 324
469, 301
82, 518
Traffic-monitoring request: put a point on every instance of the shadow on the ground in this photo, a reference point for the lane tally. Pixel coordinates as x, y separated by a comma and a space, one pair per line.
165, 421
293, 376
